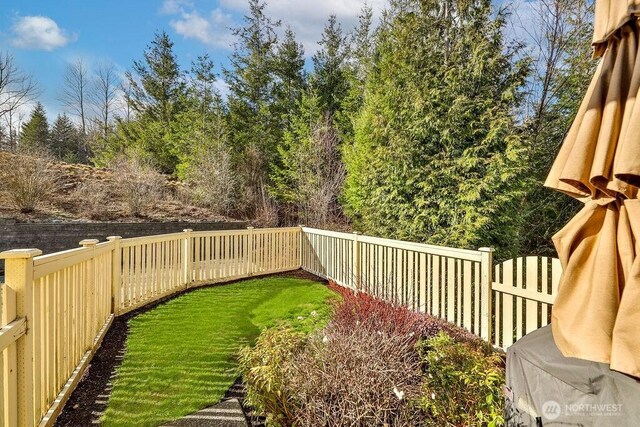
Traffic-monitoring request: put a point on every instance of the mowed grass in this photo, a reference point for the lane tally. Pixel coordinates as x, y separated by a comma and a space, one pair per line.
181, 355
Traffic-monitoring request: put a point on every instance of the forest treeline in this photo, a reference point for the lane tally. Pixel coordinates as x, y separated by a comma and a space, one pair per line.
435, 124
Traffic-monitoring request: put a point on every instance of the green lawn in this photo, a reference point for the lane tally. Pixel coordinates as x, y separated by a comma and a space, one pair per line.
181, 355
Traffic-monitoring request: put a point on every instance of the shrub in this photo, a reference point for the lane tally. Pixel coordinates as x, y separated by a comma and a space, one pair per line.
378, 315
355, 377
266, 371
139, 184
375, 363
462, 384
97, 200
28, 179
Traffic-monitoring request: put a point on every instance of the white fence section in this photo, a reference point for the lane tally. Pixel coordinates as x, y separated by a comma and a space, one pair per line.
500, 304
55, 309
524, 290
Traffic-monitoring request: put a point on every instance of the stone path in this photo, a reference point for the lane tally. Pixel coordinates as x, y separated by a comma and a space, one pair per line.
227, 413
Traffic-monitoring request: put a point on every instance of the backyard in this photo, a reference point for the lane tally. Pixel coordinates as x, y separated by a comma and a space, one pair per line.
181, 356
307, 353
407, 342
377, 172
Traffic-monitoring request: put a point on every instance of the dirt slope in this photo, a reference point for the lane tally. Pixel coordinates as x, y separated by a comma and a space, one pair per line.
87, 193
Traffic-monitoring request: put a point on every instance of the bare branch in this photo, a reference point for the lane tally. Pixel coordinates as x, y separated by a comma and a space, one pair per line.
75, 90
16, 87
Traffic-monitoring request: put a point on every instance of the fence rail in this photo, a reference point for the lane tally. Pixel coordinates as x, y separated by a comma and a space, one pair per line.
500, 304
56, 308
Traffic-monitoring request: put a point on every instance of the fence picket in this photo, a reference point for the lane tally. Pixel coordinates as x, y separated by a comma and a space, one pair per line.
71, 297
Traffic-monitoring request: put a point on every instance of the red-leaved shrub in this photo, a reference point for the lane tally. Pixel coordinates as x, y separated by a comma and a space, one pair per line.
364, 311
375, 363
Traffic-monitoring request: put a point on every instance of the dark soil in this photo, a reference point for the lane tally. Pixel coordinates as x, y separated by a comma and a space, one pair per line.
88, 400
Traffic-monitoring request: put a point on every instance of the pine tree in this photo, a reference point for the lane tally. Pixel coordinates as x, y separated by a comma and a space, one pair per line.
157, 97
64, 139
34, 135
290, 77
310, 175
203, 125
253, 121
437, 154
329, 78
362, 47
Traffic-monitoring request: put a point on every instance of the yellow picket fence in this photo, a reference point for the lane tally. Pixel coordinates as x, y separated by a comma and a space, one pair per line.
56, 308
499, 303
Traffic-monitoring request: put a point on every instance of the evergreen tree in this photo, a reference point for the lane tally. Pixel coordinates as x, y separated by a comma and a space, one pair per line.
157, 97
310, 175
34, 135
329, 78
254, 124
291, 78
362, 48
203, 124
65, 140
437, 154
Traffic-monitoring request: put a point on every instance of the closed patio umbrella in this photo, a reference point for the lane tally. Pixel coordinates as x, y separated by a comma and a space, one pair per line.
596, 315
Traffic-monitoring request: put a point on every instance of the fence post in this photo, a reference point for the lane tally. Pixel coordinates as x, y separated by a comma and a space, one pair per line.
188, 257
486, 294
250, 251
91, 289
301, 243
19, 277
116, 273
356, 260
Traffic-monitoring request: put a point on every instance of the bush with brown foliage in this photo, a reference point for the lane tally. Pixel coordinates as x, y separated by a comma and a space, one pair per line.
28, 179
138, 183
97, 200
375, 363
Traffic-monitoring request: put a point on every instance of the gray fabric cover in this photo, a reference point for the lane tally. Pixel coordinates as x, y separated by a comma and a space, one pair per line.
544, 388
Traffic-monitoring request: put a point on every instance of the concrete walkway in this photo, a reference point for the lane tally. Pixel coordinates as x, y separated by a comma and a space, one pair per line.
227, 413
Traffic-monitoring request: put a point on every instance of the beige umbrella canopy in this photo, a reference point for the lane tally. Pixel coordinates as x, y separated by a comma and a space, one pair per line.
597, 312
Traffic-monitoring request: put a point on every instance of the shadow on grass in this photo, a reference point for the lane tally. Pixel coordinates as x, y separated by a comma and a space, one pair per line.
180, 356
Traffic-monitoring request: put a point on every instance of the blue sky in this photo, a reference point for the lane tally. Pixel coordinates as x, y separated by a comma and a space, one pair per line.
44, 36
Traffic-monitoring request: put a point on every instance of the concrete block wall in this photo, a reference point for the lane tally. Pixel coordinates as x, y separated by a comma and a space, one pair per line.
55, 237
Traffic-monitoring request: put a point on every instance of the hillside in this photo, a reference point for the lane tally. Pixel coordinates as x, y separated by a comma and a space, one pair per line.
86, 193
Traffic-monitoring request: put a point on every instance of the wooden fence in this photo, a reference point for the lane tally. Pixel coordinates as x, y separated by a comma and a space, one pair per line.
499, 303
56, 308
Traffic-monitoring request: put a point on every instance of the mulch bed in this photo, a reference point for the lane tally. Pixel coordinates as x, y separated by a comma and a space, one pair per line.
81, 409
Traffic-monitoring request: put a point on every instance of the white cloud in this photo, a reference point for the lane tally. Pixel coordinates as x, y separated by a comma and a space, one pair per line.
38, 32
213, 30
172, 7
307, 19
222, 87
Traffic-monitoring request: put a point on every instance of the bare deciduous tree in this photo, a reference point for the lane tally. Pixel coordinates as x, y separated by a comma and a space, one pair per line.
104, 96
551, 28
75, 91
322, 176
213, 179
16, 90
